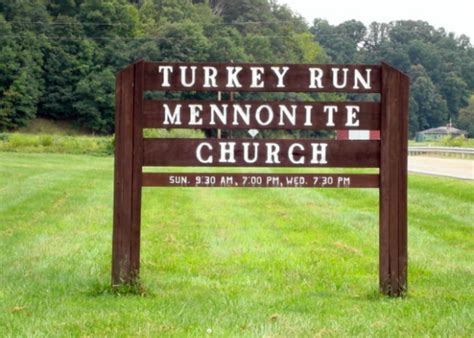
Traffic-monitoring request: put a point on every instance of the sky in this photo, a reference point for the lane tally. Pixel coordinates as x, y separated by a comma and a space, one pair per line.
454, 15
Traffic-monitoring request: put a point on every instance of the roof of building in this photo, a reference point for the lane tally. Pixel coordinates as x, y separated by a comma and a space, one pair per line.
446, 130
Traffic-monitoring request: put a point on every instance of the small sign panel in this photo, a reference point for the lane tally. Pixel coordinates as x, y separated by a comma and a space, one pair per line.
232, 180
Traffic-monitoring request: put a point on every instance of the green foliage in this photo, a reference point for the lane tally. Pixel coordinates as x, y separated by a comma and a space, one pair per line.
56, 143
21, 84
427, 106
173, 133
340, 42
466, 117
67, 61
184, 41
65, 141
48, 126
58, 59
441, 65
18, 104
450, 141
105, 19
94, 103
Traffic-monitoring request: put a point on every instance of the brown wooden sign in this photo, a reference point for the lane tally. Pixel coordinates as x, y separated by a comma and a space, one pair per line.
262, 115
260, 153
231, 180
261, 78
133, 152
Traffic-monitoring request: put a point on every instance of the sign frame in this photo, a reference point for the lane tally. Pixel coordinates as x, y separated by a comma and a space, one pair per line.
131, 155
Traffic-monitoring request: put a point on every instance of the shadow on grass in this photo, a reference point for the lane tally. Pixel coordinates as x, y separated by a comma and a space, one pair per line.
101, 288
376, 295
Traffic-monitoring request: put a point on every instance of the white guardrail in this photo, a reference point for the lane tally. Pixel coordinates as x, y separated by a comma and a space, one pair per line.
464, 152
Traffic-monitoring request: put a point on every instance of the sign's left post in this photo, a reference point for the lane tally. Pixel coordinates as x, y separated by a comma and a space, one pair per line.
128, 172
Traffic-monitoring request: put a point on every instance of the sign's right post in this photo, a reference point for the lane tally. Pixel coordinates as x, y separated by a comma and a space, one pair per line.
393, 182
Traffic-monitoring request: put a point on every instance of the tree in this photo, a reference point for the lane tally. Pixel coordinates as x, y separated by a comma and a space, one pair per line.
67, 61
466, 117
104, 19
427, 107
95, 101
18, 106
441, 65
183, 42
341, 42
21, 82
53, 53
456, 93
68, 8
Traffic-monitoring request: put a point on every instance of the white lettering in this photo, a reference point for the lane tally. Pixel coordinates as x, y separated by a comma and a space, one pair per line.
352, 120
210, 77
280, 72
221, 114
258, 116
257, 77
199, 153
227, 152
359, 79
183, 76
232, 77
272, 153
166, 70
316, 75
291, 155
195, 110
290, 116
244, 115
172, 118
247, 159
319, 150
335, 77
330, 110
308, 110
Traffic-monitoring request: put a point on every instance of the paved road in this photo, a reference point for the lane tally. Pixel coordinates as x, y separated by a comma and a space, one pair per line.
442, 167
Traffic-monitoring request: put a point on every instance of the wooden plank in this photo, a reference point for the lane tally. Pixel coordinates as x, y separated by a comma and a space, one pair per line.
123, 178
118, 173
385, 135
394, 123
393, 190
136, 169
403, 185
251, 180
298, 78
184, 152
261, 115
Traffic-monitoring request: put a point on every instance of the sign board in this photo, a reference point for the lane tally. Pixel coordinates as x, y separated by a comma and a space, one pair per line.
133, 152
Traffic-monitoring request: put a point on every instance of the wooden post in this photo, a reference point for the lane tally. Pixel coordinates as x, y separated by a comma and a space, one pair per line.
393, 182
128, 167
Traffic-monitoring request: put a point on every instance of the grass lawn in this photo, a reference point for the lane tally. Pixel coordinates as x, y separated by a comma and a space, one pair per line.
226, 262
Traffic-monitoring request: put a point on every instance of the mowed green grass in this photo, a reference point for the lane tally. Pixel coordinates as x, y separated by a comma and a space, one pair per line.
226, 262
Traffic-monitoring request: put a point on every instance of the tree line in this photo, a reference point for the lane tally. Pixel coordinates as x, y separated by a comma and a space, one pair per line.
58, 58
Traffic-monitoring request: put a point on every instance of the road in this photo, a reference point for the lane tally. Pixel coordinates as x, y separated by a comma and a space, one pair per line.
463, 169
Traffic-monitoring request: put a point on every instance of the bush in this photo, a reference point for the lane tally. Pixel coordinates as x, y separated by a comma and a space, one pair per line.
173, 133
449, 141
87, 145
53, 143
46, 140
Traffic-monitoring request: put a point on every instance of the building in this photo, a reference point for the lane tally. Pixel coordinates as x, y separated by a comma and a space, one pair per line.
439, 133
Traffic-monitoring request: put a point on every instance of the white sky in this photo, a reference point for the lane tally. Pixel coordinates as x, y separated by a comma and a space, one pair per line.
454, 15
